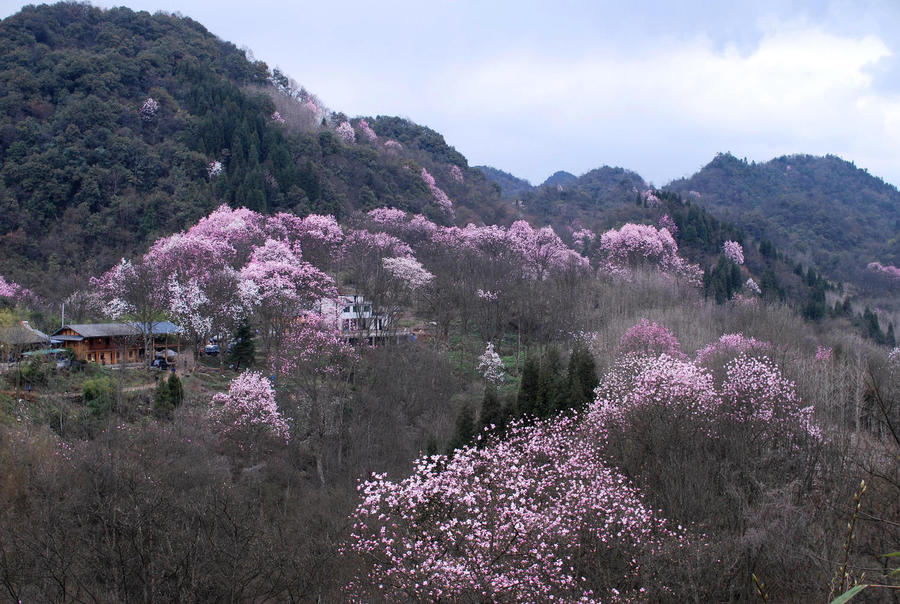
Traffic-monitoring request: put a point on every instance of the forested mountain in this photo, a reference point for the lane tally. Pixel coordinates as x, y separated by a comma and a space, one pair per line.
560, 177
823, 209
510, 186
118, 126
393, 382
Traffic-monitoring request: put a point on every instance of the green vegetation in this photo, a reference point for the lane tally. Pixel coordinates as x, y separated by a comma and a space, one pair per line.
821, 207
86, 176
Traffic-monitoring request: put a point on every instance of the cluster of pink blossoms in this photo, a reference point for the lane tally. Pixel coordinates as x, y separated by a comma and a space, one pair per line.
9, 289
752, 393
346, 133
393, 146
824, 353
387, 217
730, 345
512, 521
583, 238
313, 347
407, 271
650, 198
733, 251
229, 265
363, 244
667, 223
437, 193
311, 106
650, 339
637, 245
367, 131
639, 384
248, 411
148, 109
889, 270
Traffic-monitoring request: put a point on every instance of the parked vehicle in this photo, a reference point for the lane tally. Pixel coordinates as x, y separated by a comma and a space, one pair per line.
160, 364
211, 349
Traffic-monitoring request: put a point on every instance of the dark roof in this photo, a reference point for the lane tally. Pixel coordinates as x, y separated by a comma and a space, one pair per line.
164, 327
106, 330
100, 330
23, 334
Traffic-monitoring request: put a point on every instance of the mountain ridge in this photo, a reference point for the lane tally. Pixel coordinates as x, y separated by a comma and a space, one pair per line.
75, 79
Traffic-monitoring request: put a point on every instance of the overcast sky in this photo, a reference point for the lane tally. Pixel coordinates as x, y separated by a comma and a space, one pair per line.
652, 86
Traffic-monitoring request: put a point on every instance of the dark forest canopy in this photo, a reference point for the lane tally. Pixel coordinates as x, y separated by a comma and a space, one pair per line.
824, 208
82, 166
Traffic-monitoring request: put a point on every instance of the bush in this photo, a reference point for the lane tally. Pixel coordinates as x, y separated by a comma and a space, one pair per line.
35, 371
98, 394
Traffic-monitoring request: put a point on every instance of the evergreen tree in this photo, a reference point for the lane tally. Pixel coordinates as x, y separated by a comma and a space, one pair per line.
243, 353
526, 403
582, 377
491, 412
890, 340
431, 445
163, 405
551, 385
176, 390
465, 429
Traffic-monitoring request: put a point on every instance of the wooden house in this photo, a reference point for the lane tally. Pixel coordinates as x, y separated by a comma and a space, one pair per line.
112, 343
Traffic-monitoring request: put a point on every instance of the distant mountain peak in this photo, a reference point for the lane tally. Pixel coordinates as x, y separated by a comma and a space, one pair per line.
560, 178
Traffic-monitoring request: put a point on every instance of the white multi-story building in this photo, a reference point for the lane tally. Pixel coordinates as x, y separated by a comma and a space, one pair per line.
355, 315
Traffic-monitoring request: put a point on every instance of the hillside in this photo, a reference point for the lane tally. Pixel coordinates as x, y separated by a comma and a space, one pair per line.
821, 209
510, 186
119, 126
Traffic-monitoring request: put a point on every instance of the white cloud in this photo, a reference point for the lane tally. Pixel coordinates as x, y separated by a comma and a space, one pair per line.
797, 91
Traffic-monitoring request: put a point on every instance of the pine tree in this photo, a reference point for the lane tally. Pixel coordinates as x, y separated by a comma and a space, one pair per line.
431, 445
163, 405
465, 429
491, 412
551, 385
526, 403
582, 377
243, 352
176, 390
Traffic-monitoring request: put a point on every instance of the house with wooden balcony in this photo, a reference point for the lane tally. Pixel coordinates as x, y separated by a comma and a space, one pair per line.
113, 343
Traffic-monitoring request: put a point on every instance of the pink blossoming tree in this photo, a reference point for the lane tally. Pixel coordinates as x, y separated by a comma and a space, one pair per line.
286, 286
346, 133
393, 147
490, 365
733, 251
667, 223
650, 338
248, 414
440, 198
148, 109
366, 130
9, 289
637, 246
136, 293
313, 363
698, 441
532, 517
